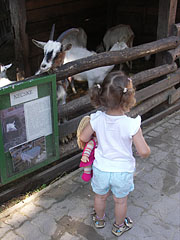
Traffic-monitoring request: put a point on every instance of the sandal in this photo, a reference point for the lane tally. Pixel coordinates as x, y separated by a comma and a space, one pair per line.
99, 223
119, 230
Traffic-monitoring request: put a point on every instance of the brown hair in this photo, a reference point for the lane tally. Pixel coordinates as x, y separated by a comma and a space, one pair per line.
115, 91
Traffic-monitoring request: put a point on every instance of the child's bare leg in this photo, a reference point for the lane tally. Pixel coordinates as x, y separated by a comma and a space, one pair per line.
100, 204
120, 209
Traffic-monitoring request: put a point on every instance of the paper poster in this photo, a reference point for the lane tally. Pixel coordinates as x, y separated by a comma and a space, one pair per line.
38, 118
26, 122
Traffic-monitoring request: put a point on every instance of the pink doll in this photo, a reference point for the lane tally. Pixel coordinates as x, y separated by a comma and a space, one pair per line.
88, 150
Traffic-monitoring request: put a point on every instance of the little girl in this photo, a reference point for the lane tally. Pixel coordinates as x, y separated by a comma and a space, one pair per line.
88, 152
114, 163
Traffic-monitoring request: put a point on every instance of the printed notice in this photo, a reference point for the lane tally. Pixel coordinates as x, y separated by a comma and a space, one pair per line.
24, 95
38, 118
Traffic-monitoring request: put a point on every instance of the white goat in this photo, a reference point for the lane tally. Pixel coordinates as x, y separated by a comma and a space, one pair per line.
54, 53
121, 33
76, 38
95, 75
10, 127
61, 88
3, 77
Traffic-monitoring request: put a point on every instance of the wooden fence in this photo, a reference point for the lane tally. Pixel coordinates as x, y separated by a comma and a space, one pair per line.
154, 86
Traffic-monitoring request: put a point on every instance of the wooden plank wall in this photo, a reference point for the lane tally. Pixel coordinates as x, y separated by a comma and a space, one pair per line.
94, 16
141, 15
5, 23
178, 12
65, 14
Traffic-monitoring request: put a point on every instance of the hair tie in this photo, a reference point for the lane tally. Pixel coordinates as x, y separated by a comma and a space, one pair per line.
125, 90
98, 86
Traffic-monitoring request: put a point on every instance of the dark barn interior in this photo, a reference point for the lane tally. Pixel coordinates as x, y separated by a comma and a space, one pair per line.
95, 17
34, 19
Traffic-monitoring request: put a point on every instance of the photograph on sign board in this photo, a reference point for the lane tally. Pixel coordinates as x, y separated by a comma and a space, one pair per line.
28, 154
13, 126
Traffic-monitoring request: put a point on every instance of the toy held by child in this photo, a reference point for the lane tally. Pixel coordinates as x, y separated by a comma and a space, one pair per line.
114, 163
88, 150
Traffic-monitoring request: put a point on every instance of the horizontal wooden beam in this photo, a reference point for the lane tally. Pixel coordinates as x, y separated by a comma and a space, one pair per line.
83, 104
171, 80
116, 57
153, 73
174, 95
161, 115
151, 103
176, 29
156, 94
71, 126
74, 107
172, 55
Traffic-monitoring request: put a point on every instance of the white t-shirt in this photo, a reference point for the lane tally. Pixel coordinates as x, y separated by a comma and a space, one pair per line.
114, 135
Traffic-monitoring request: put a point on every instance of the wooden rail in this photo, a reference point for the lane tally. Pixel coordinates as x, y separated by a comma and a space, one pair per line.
147, 97
172, 55
116, 57
78, 105
154, 87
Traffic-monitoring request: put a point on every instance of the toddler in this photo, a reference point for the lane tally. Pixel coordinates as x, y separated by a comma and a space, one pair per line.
114, 163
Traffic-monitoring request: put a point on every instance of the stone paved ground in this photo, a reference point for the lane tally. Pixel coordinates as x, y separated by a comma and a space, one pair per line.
62, 210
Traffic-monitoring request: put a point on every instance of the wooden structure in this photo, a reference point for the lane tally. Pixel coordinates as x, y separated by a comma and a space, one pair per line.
149, 20
5, 23
154, 87
154, 22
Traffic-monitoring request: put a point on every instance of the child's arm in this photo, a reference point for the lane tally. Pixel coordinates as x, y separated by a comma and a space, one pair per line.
87, 151
141, 145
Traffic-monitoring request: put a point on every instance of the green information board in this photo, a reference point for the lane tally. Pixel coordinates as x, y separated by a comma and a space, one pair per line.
28, 127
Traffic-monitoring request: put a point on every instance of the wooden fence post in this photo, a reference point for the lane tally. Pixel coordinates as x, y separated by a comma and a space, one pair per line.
166, 20
18, 20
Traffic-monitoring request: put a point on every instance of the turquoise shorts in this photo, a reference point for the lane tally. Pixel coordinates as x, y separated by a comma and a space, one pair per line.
120, 183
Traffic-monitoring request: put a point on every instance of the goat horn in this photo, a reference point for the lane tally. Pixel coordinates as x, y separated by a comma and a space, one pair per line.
52, 32
65, 33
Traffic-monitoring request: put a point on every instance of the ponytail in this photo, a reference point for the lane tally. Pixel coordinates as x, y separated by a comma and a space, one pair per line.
95, 95
115, 91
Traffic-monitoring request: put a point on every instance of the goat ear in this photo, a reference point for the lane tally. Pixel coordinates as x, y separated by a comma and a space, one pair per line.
8, 66
39, 43
66, 47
